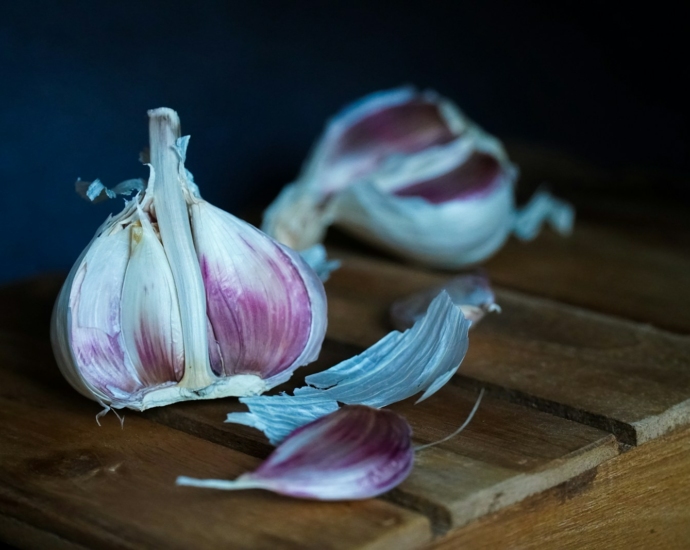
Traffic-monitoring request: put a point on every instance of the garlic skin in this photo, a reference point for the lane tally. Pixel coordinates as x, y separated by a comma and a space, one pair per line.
354, 453
470, 292
408, 172
400, 365
174, 299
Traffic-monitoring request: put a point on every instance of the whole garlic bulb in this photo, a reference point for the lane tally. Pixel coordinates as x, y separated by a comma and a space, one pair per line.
175, 299
409, 172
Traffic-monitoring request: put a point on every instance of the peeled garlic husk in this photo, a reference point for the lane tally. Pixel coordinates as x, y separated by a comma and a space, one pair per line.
400, 365
174, 299
353, 453
470, 292
408, 172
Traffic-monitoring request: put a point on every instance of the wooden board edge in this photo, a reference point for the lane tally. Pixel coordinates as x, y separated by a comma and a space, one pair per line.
654, 427
524, 486
622, 499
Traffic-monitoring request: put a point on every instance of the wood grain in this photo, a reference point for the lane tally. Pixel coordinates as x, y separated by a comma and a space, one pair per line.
623, 377
623, 273
640, 499
113, 486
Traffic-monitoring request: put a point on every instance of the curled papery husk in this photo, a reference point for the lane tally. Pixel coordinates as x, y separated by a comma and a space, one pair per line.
355, 452
174, 299
470, 292
400, 365
409, 172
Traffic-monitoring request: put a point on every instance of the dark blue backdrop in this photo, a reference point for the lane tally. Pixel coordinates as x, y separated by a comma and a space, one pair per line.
254, 81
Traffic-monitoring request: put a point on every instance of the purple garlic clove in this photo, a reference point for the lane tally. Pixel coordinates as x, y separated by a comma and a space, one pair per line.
356, 452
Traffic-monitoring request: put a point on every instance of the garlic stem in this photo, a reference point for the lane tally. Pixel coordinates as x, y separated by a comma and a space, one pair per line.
176, 234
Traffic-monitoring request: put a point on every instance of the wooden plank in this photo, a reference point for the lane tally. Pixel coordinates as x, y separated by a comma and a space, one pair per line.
508, 452
630, 274
63, 477
629, 379
640, 499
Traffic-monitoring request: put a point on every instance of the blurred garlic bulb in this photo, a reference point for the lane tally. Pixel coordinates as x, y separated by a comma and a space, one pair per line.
409, 172
176, 300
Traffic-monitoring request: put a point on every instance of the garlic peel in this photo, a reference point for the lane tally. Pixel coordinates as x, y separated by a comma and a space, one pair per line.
355, 452
543, 207
400, 365
317, 258
95, 191
470, 292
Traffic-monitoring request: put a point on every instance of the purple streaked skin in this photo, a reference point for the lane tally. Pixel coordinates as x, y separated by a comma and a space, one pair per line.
256, 332
354, 453
158, 363
258, 306
404, 128
95, 336
473, 179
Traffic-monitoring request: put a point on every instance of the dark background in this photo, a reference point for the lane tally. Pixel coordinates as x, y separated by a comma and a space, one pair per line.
254, 82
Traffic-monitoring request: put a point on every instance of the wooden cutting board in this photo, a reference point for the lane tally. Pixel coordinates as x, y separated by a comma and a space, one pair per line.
583, 439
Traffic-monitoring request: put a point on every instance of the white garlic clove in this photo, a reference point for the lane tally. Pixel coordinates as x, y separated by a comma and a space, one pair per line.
408, 172
355, 452
132, 326
471, 293
151, 323
263, 307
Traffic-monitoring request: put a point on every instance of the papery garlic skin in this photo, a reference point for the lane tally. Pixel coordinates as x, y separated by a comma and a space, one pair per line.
354, 453
132, 326
408, 172
470, 292
400, 365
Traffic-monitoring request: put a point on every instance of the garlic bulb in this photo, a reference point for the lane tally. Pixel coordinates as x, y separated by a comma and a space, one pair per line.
353, 453
409, 172
174, 299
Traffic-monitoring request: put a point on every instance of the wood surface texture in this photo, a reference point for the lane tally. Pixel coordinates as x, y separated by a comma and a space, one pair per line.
582, 440
627, 378
637, 500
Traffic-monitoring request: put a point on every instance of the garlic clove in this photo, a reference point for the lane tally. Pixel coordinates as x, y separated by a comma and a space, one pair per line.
263, 308
151, 323
368, 133
408, 172
356, 452
88, 333
400, 365
470, 292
